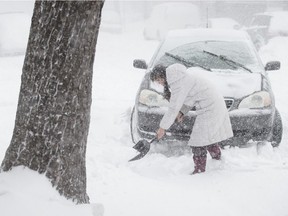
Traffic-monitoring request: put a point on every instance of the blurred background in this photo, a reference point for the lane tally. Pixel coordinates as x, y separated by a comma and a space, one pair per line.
261, 19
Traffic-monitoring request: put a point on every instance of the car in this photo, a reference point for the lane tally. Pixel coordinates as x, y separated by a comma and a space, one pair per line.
264, 26
169, 16
223, 23
14, 33
236, 70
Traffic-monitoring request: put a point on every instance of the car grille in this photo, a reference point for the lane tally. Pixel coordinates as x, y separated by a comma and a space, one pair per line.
229, 102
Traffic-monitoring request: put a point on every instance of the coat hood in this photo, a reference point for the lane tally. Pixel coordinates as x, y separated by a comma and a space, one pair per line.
175, 72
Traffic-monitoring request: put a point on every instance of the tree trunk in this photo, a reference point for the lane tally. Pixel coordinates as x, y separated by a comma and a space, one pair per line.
53, 113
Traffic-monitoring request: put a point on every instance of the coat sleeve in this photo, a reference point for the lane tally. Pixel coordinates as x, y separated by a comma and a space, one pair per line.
177, 99
185, 109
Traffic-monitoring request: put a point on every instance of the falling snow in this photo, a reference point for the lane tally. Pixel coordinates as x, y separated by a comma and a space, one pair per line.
249, 181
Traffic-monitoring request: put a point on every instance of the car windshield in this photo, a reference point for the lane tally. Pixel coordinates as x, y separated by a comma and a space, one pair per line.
211, 55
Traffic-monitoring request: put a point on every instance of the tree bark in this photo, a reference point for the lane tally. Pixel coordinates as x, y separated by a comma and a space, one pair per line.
53, 113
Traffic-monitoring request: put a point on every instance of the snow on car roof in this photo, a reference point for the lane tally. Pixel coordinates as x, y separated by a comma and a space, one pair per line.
209, 34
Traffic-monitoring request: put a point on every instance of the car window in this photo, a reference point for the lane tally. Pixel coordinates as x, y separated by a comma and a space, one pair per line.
195, 53
261, 20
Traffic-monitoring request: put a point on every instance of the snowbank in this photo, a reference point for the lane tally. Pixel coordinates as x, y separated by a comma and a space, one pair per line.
25, 192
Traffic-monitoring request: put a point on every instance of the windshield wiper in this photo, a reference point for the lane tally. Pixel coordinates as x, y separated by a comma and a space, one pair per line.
188, 63
228, 61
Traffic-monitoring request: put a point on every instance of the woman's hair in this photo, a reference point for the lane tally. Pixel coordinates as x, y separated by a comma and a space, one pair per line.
159, 71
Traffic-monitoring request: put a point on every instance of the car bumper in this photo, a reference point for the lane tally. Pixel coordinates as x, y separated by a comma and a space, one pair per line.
247, 124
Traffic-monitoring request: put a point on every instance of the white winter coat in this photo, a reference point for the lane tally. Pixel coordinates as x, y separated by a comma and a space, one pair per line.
212, 123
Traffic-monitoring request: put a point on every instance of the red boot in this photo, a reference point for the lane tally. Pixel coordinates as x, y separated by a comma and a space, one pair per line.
215, 151
199, 157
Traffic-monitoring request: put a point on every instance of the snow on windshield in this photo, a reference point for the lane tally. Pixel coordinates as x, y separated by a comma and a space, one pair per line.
209, 54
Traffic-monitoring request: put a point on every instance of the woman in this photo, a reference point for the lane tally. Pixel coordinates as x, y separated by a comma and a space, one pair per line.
212, 124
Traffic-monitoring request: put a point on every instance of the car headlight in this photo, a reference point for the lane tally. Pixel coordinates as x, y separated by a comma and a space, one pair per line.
257, 100
152, 98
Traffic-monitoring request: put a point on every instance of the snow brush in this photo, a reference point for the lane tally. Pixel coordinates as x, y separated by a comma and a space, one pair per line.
143, 146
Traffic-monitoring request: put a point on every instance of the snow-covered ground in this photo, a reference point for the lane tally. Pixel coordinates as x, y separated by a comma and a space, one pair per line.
250, 181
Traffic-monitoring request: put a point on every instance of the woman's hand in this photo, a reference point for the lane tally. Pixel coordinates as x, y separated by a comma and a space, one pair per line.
160, 133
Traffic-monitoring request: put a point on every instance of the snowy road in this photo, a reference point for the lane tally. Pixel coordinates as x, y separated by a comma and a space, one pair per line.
251, 181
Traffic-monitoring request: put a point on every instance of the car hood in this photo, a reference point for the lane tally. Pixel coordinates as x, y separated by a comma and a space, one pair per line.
237, 85
233, 84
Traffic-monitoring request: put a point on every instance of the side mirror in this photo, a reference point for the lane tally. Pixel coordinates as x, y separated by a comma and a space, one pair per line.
272, 65
140, 63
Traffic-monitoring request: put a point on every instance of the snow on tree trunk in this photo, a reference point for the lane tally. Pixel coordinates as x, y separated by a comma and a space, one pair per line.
53, 113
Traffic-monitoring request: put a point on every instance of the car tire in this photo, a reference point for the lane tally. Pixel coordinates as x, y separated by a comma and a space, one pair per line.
277, 130
133, 128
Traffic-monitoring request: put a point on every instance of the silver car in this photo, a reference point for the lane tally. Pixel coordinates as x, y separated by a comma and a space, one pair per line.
237, 71
264, 26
